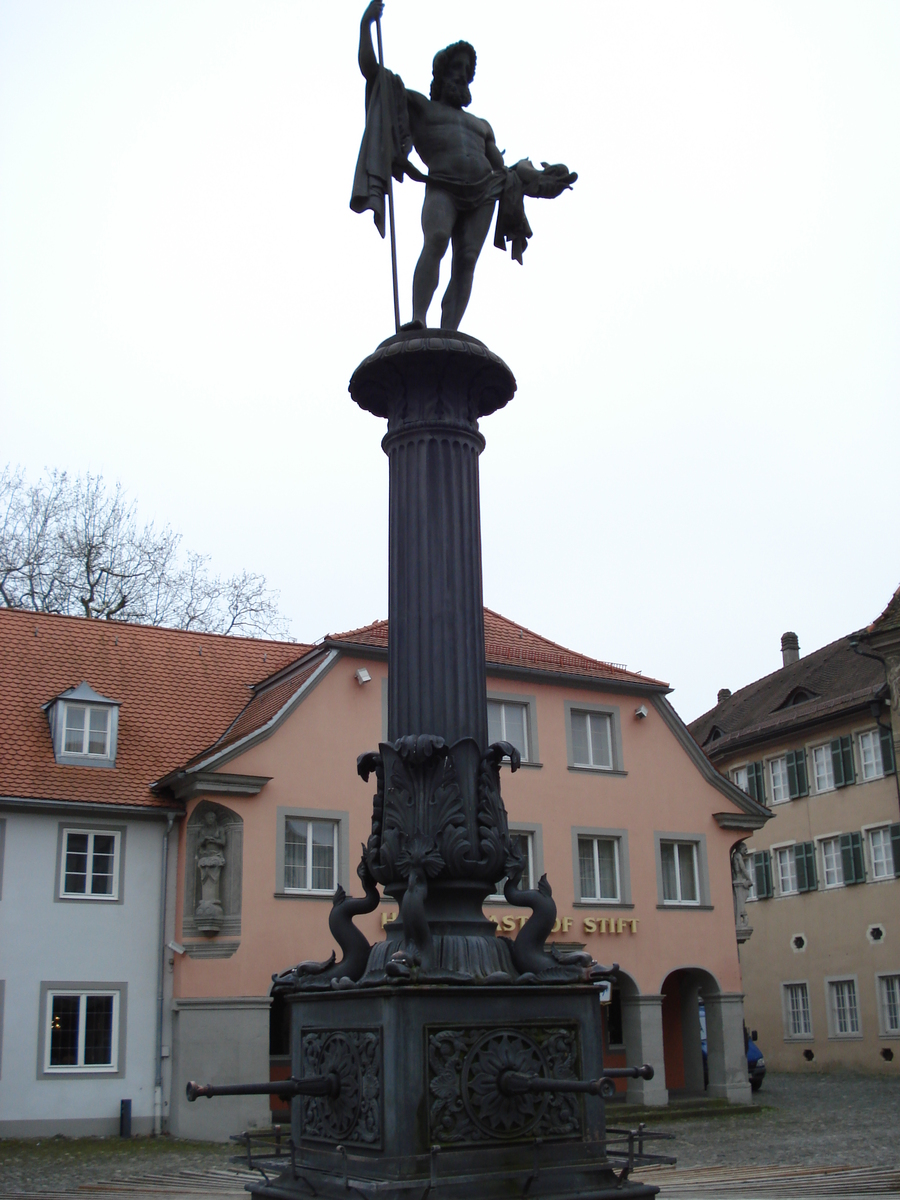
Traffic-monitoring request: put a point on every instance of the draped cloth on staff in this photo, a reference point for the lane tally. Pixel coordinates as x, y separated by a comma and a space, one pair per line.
370, 180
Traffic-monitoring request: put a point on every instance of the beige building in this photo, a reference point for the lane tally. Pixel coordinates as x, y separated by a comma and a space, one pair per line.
815, 742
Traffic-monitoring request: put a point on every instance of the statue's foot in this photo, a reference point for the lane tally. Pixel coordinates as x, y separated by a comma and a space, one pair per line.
412, 325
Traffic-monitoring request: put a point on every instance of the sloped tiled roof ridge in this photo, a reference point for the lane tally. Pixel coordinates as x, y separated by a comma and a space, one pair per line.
507, 643
835, 675
890, 618
177, 691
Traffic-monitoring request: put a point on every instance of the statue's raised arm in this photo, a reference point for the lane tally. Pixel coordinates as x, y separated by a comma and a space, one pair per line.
466, 173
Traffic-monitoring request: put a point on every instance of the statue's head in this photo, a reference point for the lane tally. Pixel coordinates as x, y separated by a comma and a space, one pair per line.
452, 71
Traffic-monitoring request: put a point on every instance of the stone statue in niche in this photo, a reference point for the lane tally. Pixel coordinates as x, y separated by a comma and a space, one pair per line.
209, 913
742, 885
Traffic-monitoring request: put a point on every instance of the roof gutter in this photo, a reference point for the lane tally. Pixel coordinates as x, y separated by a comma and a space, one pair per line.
158, 811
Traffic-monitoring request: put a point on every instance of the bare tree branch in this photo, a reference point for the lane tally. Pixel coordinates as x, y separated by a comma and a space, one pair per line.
77, 548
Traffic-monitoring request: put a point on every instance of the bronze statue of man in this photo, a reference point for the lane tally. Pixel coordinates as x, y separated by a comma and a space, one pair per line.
466, 173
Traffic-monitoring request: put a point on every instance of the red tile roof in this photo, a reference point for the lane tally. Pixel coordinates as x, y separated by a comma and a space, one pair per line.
508, 644
178, 691
890, 618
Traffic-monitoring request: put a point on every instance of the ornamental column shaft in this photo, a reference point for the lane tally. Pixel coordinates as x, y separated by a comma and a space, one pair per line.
433, 389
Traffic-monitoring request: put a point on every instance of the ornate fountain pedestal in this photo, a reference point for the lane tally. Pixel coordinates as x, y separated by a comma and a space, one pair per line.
419, 1109
444, 1061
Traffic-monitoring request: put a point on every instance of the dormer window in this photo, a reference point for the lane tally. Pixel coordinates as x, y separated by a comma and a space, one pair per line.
87, 730
84, 726
798, 695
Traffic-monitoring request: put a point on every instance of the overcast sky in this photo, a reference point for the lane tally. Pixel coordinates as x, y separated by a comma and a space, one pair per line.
703, 449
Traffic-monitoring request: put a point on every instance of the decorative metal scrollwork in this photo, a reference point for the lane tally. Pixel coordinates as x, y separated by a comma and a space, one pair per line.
466, 1101
354, 1115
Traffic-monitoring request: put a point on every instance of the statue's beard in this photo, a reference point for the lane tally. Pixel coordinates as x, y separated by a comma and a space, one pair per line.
457, 95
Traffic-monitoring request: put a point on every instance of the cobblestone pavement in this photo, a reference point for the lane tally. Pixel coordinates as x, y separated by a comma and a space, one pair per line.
832, 1120
806, 1122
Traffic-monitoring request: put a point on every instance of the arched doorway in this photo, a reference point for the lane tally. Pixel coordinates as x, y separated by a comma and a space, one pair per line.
612, 1015
279, 1054
683, 992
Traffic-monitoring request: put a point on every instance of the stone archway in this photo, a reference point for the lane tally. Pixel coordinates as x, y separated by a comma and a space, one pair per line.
683, 991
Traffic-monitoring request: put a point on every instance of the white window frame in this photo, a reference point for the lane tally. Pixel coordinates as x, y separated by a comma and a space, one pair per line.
87, 894
873, 738
828, 773
580, 708
789, 852
595, 899
528, 877
787, 1011
739, 779
832, 839
781, 792
884, 980
335, 872
80, 1067
832, 983
869, 831
85, 752
678, 848
592, 764
504, 703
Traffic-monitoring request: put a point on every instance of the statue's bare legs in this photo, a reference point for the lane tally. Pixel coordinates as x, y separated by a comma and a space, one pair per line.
441, 223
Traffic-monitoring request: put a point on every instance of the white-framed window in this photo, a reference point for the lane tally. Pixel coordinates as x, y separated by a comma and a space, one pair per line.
739, 777
592, 739
823, 768
310, 855
889, 1003
598, 868
778, 778
843, 1008
797, 1019
86, 730
871, 765
82, 1032
787, 870
523, 840
90, 864
508, 722
881, 853
679, 872
832, 862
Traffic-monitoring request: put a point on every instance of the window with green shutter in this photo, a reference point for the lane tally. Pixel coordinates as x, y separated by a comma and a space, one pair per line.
887, 750
798, 781
852, 858
842, 761
762, 874
756, 782
805, 858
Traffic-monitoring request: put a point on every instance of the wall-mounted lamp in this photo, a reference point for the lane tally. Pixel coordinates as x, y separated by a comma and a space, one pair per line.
175, 947
363, 676
641, 711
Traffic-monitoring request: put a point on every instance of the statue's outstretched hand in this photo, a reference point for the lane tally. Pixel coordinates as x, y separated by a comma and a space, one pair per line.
375, 9
546, 184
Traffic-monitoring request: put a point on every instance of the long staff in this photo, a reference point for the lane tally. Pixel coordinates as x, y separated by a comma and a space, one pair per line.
389, 159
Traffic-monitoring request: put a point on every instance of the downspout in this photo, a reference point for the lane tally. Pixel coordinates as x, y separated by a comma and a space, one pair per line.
157, 1088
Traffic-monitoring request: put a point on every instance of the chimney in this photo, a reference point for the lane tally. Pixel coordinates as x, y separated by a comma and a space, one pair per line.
724, 693
790, 648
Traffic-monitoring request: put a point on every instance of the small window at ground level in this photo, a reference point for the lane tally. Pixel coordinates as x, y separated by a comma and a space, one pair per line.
799, 1023
889, 997
508, 722
82, 1031
90, 864
310, 855
844, 1009
598, 867
679, 872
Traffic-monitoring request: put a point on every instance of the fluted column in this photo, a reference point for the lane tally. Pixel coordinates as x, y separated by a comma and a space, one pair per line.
432, 388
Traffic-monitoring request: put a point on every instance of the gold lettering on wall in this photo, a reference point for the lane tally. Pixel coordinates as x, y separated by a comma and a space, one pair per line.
507, 923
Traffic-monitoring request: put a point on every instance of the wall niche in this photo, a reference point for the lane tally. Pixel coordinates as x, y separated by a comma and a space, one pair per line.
213, 868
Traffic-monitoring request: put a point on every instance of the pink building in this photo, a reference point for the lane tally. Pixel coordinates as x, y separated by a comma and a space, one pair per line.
614, 801
160, 870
